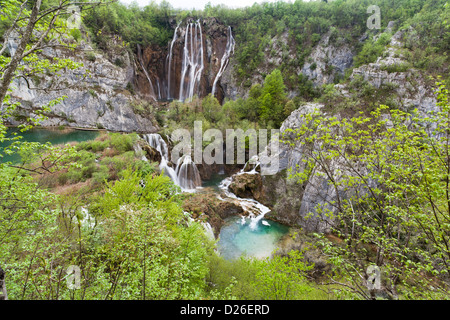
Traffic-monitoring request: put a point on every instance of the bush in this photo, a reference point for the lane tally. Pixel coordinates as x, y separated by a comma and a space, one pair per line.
101, 175
372, 50
119, 62
122, 142
402, 67
94, 145
76, 34
90, 56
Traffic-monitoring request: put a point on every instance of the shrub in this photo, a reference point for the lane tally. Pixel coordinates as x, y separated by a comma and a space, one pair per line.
119, 62
90, 56
122, 142
76, 34
102, 174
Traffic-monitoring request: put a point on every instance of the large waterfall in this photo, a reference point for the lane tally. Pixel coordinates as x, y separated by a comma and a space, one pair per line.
192, 65
169, 68
225, 58
185, 174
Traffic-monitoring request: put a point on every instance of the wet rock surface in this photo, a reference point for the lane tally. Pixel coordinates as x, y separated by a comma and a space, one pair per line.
207, 206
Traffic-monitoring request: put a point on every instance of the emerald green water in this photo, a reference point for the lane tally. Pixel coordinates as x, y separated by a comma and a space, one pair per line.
45, 135
238, 238
214, 181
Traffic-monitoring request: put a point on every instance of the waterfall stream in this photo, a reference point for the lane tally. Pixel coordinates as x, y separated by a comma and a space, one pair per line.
152, 90
225, 59
256, 210
169, 68
185, 174
192, 65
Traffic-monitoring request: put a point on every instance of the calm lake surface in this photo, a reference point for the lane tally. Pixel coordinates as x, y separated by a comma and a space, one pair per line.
54, 136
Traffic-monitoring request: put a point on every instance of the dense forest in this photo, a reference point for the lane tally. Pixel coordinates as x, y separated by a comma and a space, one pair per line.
104, 208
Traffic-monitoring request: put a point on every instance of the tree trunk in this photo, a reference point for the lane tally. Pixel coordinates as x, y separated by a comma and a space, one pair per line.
3, 294
11, 68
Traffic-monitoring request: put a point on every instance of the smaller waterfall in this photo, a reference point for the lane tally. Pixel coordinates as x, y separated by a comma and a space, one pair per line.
157, 142
192, 65
209, 230
152, 90
225, 59
253, 163
185, 175
249, 205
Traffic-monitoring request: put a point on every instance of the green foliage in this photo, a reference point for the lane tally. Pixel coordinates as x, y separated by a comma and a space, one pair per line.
123, 142
90, 56
273, 98
76, 34
372, 50
393, 167
277, 278
136, 25
397, 67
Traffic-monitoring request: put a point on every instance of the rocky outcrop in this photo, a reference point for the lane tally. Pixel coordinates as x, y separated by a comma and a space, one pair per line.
410, 87
96, 94
328, 59
151, 153
293, 202
206, 206
246, 185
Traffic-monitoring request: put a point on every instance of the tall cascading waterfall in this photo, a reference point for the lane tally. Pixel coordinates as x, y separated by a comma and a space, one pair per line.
182, 73
193, 64
169, 68
185, 175
225, 59
152, 89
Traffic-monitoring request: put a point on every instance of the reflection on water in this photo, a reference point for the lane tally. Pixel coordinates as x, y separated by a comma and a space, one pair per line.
45, 135
214, 181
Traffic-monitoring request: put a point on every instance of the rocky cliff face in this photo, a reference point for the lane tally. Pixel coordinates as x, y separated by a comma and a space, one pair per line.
96, 94
295, 204
328, 60
292, 202
410, 86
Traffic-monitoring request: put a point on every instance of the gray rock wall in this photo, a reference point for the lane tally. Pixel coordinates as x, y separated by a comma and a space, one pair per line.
96, 93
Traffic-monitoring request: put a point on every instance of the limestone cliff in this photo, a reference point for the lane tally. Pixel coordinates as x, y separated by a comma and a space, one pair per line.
96, 94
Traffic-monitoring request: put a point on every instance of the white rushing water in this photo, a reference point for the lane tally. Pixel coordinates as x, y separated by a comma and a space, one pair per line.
185, 174
152, 90
208, 230
169, 68
225, 58
192, 65
249, 205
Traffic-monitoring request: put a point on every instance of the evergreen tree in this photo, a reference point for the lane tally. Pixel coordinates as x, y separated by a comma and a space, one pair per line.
273, 98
